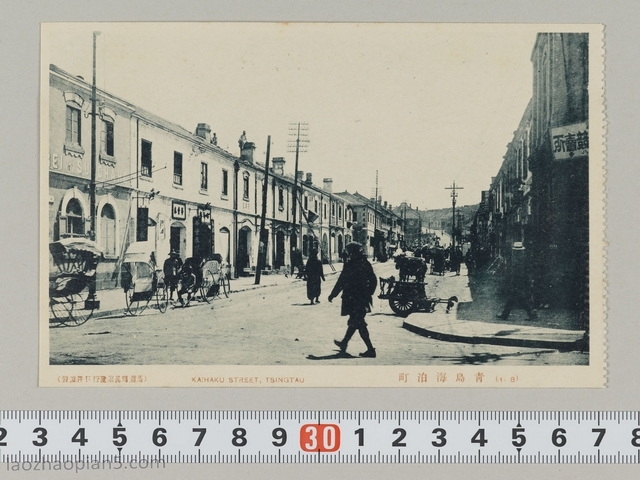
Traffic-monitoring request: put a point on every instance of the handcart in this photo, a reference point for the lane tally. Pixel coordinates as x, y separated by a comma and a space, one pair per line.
142, 281
409, 297
73, 264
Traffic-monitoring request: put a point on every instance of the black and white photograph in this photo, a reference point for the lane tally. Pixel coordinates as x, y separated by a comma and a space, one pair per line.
322, 204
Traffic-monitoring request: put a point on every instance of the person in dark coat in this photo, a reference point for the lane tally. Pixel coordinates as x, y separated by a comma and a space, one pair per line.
357, 282
315, 277
439, 261
519, 285
171, 269
456, 260
190, 278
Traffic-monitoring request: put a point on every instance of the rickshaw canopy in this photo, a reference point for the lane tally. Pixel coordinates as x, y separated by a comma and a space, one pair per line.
139, 252
67, 245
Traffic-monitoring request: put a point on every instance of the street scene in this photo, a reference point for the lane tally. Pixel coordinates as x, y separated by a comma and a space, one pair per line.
274, 324
308, 195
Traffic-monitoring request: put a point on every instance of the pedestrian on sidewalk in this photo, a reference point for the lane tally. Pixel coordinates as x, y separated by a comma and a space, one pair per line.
519, 284
439, 261
171, 269
357, 282
456, 260
315, 277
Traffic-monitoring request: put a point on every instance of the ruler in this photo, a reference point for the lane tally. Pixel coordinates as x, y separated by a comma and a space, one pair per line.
49, 437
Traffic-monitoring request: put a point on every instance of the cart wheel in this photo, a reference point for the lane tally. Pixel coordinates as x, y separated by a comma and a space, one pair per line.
71, 311
162, 298
134, 307
403, 304
59, 309
207, 283
224, 285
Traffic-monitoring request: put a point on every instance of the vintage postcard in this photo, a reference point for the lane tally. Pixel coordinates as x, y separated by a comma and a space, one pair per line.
322, 205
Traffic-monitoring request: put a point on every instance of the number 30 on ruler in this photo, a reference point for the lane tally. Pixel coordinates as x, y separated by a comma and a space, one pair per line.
320, 437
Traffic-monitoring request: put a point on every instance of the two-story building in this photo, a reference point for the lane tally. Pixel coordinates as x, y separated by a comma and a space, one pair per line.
175, 189
70, 150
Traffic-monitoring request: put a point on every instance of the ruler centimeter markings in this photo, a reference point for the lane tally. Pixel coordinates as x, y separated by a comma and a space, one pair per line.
320, 436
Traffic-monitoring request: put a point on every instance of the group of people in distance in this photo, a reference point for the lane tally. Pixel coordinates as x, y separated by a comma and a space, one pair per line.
189, 271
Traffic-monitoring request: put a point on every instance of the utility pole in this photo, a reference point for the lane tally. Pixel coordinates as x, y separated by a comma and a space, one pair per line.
454, 195
264, 239
376, 239
404, 224
91, 301
296, 130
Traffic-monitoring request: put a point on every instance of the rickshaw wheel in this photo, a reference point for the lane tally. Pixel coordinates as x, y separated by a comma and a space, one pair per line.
403, 303
224, 285
162, 298
80, 314
134, 307
207, 283
71, 311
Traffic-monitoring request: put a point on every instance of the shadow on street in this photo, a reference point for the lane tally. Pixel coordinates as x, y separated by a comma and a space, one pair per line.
488, 299
330, 357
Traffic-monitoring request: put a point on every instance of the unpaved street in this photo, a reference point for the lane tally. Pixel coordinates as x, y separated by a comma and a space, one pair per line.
275, 326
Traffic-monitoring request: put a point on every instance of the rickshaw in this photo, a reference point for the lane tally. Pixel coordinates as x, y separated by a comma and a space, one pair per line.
72, 266
142, 280
215, 279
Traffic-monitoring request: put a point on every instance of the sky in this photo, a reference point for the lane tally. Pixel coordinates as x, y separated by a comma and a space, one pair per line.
424, 105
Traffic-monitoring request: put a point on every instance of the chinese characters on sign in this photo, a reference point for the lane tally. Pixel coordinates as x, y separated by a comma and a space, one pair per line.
204, 214
178, 210
571, 141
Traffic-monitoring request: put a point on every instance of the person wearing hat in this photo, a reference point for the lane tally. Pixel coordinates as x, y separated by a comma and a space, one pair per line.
357, 282
519, 292
171, 268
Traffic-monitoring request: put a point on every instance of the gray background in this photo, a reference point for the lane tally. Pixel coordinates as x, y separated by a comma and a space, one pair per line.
19, 140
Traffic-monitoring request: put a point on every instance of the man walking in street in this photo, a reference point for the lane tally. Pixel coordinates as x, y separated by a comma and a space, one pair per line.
357, 282
519, 291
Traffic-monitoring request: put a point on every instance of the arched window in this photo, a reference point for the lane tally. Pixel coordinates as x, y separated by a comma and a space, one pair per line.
75, 219
108, 230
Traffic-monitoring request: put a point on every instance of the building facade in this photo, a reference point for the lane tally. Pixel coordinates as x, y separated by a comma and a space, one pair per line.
540, 195
159, 183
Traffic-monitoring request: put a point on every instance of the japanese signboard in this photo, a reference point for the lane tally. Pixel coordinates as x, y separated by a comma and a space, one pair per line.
571, 141
178, 210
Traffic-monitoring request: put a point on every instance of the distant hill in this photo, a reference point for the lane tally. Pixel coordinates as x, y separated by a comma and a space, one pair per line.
440, 219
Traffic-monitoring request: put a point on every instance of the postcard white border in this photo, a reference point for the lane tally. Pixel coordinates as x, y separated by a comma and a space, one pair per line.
591, 376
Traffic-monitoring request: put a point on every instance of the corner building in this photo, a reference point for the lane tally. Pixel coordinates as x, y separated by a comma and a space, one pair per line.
540, 195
